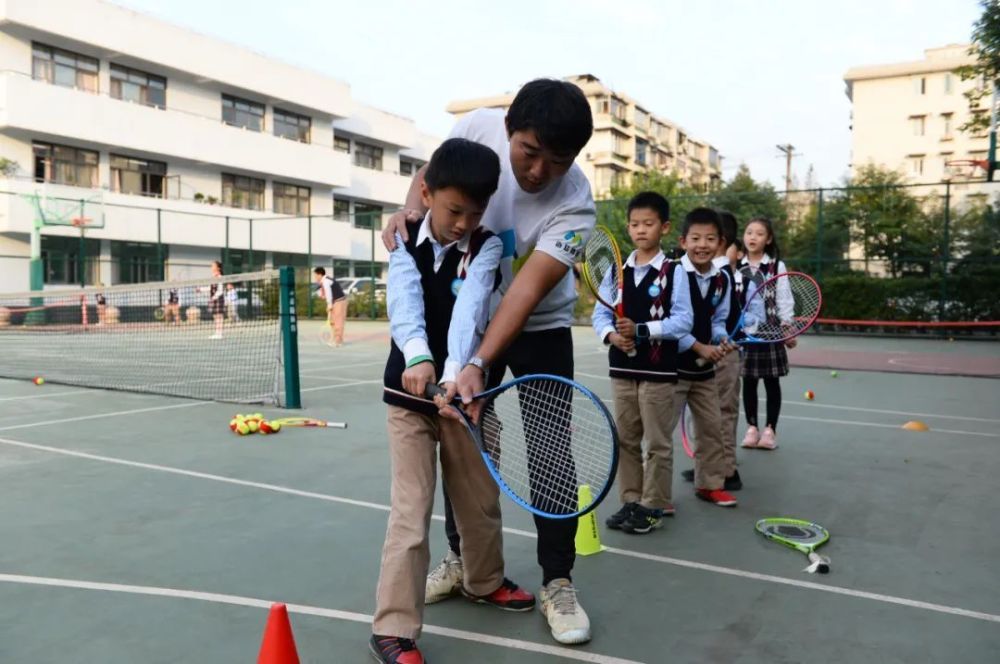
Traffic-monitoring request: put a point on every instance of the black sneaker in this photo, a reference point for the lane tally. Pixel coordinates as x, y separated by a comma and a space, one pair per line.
688, 475
733, 482
395, 650
642, 521
615, 521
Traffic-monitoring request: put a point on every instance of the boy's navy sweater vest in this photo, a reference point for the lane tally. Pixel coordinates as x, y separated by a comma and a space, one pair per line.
703, 309
650, 300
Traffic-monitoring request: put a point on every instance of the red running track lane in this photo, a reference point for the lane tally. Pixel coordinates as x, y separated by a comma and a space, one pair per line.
897, 362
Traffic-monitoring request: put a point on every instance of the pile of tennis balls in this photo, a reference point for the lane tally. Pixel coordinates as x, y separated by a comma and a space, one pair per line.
245, 425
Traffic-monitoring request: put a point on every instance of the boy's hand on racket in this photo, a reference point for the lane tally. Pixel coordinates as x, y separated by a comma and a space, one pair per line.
471, 381
444, 401
626, 328
791, 343
621, 343
416, 378
397, 224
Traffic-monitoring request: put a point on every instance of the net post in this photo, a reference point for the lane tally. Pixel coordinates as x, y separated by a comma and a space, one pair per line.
289, 337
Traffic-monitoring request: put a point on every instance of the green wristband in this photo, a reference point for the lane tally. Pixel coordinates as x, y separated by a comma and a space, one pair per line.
418, 359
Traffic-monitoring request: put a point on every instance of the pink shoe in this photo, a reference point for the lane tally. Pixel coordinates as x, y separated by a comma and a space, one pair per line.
752, 438
768, 441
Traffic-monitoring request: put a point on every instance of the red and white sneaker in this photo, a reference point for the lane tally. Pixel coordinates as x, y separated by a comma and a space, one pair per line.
509, 597
717, 496
751, 438
395, 650
768, 440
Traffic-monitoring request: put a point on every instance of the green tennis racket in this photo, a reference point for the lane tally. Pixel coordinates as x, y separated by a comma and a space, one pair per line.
803, 536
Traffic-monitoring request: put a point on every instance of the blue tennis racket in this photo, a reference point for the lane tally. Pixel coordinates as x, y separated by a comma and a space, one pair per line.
544, 439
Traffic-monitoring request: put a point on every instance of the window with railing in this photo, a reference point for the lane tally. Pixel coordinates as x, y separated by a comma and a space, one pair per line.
62, 164
141, 177
367, 216
138, 87
240, 191
65, 68
291, 199
367, 156
242, 113
341, 210
292, 125
641, 119
618, 145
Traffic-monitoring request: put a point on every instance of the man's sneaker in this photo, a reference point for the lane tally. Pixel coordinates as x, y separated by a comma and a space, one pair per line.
394, 650
751, 438
717, 496
733, 482
615, 521
445, 580
688, 475
509, 597
642, 521
567, 619
768, 441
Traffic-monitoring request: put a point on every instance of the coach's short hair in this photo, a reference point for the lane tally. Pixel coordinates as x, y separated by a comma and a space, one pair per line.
557, 111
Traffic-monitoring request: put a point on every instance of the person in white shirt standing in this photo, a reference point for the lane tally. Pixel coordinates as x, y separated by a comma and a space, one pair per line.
543, 210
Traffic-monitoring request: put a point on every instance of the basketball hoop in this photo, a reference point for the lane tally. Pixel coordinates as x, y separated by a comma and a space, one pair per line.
81, 222
966, 169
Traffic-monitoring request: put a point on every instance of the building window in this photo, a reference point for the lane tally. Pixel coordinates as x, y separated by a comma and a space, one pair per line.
138, 87
341, 268
367, 216
641, 119
341, 210
242, 113
239, 191
949, 84
618, 144
946, 126
65, 165
367, 156
65, 68
920, 85
916, 164
141, 177
291, 199
292, 125
341, 144
136, 262
61, 262
367, 270
641, 147
713, 157
406, 167
918, 124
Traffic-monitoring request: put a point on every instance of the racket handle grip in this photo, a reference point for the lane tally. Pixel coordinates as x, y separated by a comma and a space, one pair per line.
632, 353
820, 563
432, 390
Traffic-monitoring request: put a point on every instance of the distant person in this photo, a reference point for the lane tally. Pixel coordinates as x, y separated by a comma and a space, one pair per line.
172, 309
216, 300
232, 303
336, 304
102, 306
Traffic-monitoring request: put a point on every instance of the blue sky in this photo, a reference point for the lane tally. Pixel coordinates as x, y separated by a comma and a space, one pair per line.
743, 75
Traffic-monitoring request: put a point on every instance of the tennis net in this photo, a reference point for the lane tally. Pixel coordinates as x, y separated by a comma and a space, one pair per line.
218, 339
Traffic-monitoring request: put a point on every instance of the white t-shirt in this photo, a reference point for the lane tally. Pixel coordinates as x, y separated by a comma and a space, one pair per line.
556, 221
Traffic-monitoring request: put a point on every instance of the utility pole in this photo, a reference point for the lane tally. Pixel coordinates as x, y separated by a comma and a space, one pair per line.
789, 151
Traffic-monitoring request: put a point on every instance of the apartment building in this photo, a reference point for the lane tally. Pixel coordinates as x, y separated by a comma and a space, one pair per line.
906, 116
628, 138
189, 149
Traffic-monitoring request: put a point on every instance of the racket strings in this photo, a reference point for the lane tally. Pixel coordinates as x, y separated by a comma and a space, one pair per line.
779, 321
602, 264
545, 444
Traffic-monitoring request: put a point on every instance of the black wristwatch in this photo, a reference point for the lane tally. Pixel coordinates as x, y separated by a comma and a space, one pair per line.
641, 332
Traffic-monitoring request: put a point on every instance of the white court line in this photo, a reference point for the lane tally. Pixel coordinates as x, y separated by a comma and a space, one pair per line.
45, 395
333, 387
97, 416
237, 600
718, 569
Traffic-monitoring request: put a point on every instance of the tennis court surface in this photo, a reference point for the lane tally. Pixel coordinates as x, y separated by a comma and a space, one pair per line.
138, 528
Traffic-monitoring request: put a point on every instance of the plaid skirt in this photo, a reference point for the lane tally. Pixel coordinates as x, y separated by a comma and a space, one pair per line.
765, 360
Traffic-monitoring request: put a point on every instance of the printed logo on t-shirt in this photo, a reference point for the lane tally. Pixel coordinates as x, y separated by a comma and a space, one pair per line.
456, 285
570, 243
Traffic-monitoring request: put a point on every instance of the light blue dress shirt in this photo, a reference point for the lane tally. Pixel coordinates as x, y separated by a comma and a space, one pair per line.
704, 281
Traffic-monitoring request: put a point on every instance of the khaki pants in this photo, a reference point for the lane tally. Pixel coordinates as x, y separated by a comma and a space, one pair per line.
727, 376
413, 443
702, 397
338, 315
643, 409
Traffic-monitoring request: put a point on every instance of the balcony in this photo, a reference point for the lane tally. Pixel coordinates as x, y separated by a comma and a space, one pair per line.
50, 112
378, 186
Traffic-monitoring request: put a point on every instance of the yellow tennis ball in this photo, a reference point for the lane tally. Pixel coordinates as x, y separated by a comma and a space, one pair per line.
39, 380
275, 427
253, 425
242, 428
257, 416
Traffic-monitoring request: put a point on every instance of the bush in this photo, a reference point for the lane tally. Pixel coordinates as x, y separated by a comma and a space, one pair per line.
860, 297
359, 305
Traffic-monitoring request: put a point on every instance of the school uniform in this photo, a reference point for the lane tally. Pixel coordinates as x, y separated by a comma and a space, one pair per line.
438, 299
336, 306
655, 294
727, 370
765, 360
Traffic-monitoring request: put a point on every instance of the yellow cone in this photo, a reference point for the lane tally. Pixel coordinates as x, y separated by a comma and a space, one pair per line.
588, 539
916, 425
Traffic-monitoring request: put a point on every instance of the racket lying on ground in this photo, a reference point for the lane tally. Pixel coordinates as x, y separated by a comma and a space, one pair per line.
308, 422
781, 308
803, 536
602, 263
549, 443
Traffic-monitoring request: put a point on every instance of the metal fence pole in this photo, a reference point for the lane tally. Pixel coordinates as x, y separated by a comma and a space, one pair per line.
945, 252
225, 253
250, 257
819, 236
81, 264
371, 272
159, 244
309, 260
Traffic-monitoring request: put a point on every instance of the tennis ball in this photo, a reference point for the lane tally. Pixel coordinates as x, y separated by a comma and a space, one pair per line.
810, 395
242, 428
257, 416
265, 427
275, 427
38, 380
834, 373
253, 425
234, 424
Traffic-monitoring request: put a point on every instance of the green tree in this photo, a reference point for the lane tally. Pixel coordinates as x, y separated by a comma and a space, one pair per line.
747, 198
818, 244
986, 49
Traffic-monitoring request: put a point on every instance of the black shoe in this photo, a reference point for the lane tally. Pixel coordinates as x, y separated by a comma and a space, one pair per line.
733, 482
615, 521
642, 521
688, 475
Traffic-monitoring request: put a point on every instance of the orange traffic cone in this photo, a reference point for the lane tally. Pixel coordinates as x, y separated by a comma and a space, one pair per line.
278, 646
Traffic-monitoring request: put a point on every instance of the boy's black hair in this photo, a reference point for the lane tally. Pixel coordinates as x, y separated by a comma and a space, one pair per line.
470, 167
219, 264
320, 271
771, 248
729, 227
557, 111
650, 200
702, 215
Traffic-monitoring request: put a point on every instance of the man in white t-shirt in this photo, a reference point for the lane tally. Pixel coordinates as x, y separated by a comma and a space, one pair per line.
544, 212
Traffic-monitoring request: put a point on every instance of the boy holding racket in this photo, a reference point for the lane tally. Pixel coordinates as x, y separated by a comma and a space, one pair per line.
657, 313
440, 282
